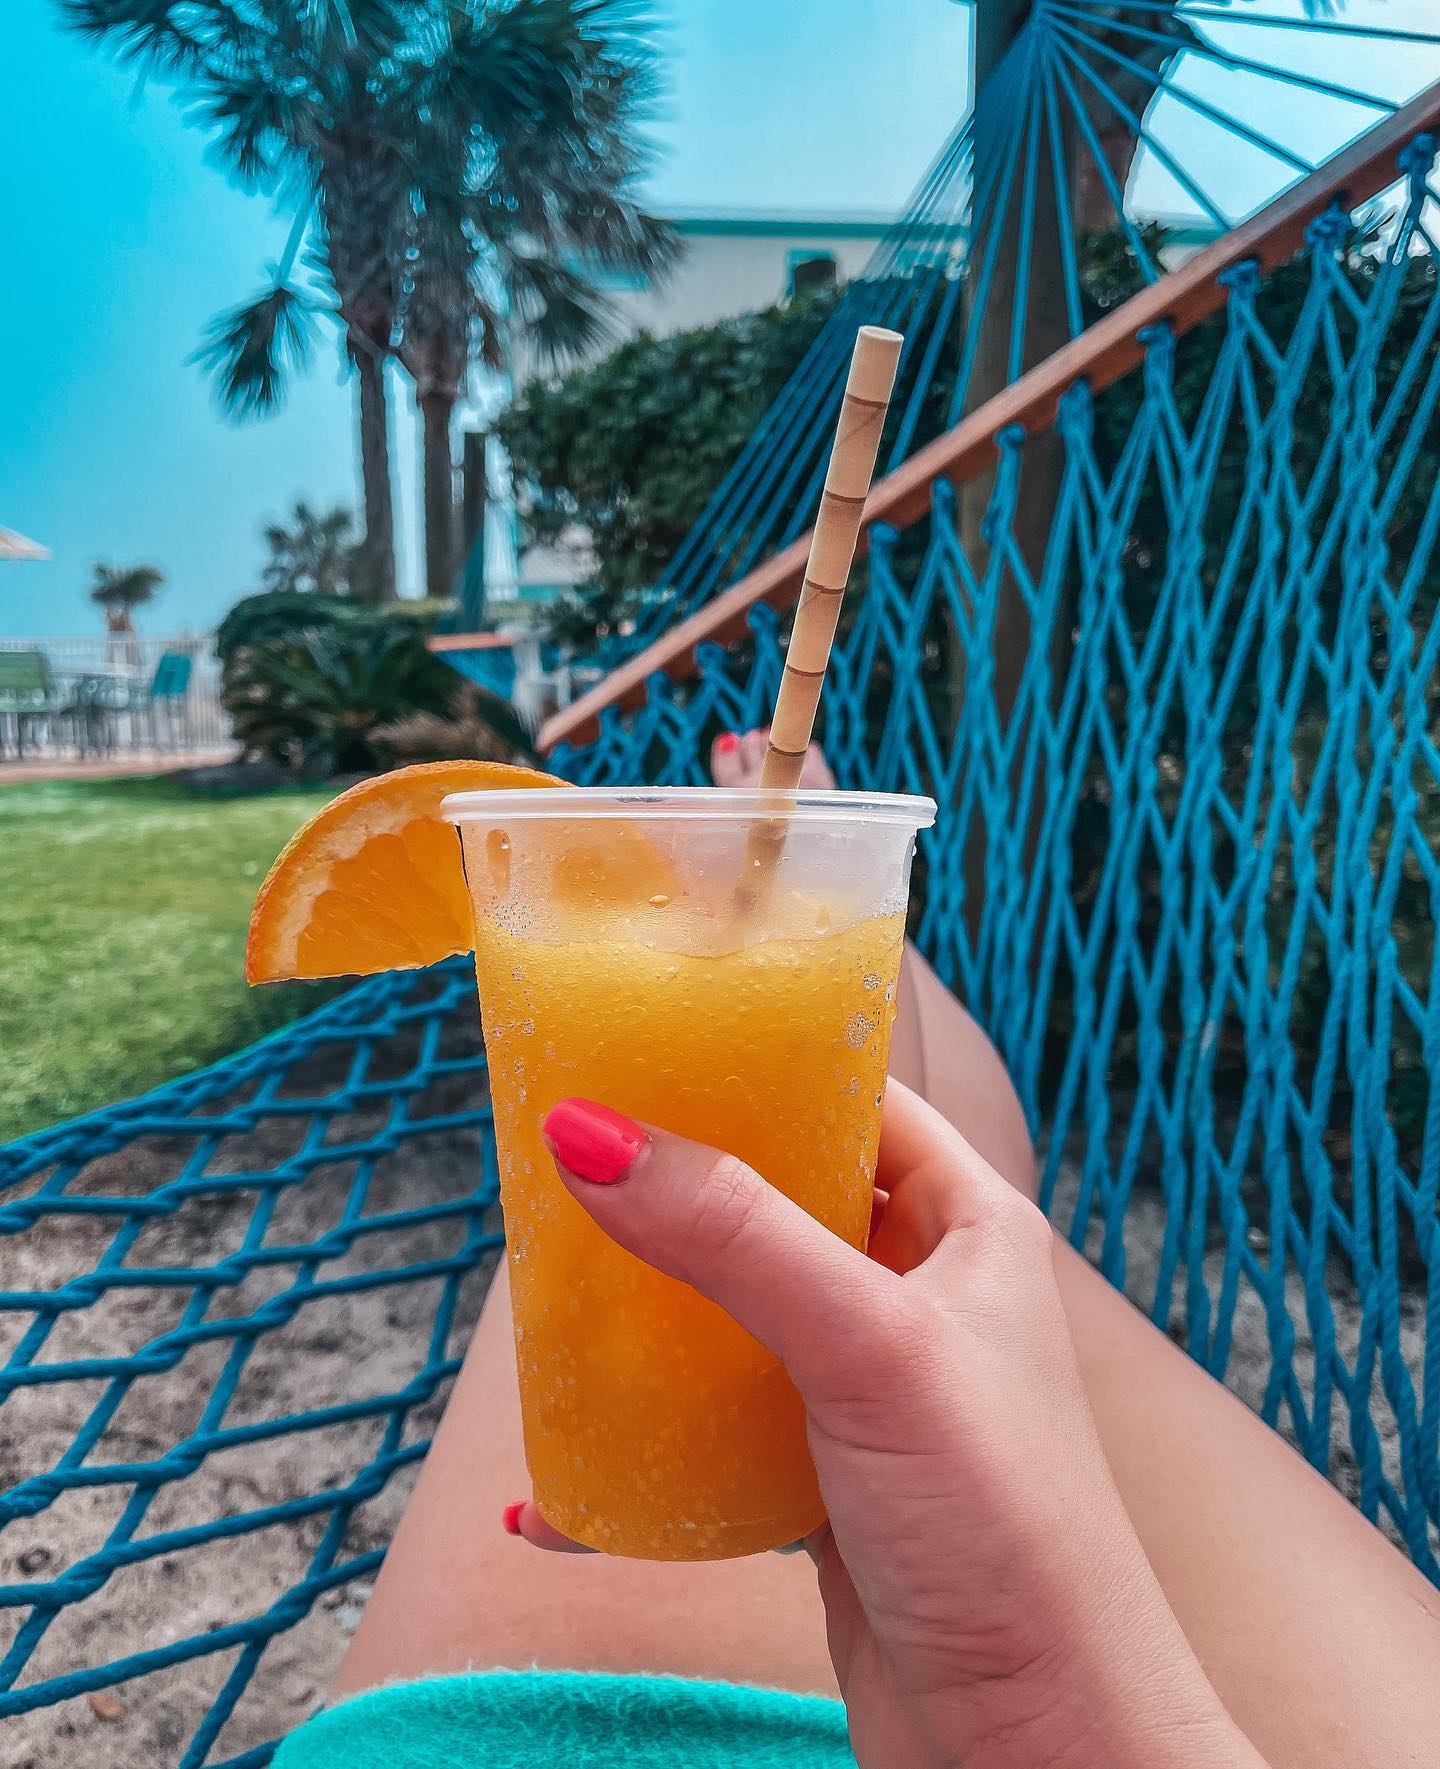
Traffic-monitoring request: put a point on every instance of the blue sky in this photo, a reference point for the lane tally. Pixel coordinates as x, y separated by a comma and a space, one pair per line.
122, 240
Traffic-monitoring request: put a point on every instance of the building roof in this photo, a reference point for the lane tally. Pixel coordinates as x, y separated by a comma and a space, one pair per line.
857, 222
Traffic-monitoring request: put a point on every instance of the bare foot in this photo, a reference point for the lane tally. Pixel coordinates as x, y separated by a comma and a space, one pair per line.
735, 760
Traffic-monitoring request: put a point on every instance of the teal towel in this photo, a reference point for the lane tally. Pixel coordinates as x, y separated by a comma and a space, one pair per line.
543, 1719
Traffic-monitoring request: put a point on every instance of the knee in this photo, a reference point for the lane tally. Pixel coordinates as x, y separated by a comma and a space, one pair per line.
963, 1076
1000, 1118
1021, 1164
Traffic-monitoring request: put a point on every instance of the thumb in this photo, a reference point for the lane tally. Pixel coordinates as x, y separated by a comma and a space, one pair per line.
714, 1223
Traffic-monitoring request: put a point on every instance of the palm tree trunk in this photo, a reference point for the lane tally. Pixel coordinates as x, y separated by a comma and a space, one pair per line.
1094, 208
437, 406
378, 549
474, 498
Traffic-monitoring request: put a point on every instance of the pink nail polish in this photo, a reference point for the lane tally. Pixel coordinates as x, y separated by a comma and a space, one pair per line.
510, 1517
592, 1141
726, 744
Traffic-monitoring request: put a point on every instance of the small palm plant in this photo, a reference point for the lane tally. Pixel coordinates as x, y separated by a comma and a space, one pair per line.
311, 550
120, 589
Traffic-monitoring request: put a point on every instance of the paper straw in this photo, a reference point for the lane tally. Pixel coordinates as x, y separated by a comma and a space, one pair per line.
817, 614
832, 552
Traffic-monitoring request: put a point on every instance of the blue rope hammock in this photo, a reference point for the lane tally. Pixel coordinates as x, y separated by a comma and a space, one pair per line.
1184, 872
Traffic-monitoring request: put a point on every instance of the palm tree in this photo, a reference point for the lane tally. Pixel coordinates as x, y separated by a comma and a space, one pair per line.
506, 227
375, 114
120, 589
316, 552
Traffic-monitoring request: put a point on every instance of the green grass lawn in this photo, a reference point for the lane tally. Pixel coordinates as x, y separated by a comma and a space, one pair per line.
123, 907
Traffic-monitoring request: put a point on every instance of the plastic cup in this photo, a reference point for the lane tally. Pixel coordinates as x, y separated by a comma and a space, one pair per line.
614, 964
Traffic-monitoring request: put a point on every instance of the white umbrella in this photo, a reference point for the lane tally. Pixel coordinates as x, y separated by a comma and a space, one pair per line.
16, 546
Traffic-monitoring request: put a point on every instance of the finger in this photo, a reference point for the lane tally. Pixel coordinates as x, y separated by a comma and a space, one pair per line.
877, 1215
706, 1218
939, 1188
921, 1151
924, 1168
524, 1520
814, 1543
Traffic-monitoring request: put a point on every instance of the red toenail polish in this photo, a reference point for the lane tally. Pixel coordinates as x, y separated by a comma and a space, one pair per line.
592, 1141
510, 1517
726, 743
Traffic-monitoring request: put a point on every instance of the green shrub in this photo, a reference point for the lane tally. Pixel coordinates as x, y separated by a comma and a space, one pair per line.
277, 614
476, 726
314, 681
631, 447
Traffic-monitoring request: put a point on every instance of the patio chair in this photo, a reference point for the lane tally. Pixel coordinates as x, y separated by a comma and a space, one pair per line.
165, 699
91, 712
28, 698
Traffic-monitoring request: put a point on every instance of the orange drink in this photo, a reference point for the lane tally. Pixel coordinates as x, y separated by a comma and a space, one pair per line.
613, 964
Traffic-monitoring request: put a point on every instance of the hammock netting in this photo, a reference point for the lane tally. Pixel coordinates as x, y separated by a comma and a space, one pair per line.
1184, 741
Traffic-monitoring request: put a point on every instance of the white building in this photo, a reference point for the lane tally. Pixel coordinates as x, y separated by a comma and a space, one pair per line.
733, 262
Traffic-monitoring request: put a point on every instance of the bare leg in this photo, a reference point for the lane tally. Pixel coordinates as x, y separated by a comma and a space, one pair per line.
939, 1052
1322, 1640
457, 1593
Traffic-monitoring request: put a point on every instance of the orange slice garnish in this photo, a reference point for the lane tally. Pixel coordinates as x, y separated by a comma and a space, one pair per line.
374, 881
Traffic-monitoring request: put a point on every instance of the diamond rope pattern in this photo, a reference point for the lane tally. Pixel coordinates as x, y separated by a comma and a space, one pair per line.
1191, 103
1184, 872
340, 1168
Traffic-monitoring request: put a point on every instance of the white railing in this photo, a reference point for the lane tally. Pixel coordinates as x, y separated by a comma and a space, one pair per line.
99, 698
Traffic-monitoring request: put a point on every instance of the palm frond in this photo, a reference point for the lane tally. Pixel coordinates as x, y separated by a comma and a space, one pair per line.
258, 117
612, 230
563, 312
370, 28
251, 349
628, 26
312, 554
451, 146
528, 72
141, 29
124, 586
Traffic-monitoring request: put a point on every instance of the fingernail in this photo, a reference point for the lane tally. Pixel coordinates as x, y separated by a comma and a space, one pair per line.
510, 1517
592, 1141
726, 743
